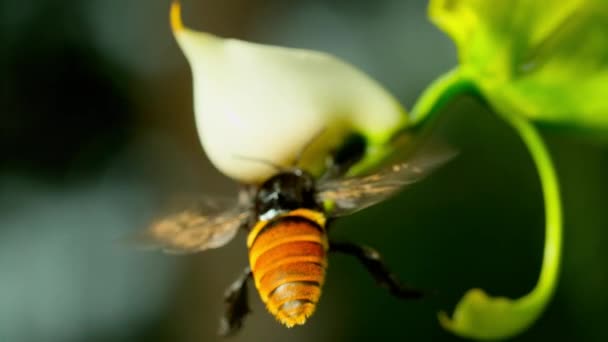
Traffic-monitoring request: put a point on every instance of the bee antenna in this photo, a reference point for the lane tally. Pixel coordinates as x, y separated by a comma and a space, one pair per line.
278, 167
306, 146
261, 161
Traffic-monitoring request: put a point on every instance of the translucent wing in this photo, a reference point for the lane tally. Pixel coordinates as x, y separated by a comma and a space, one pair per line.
349, 195
207, 224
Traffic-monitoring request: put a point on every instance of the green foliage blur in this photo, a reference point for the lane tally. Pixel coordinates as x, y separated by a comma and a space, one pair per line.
546, 60
97, 132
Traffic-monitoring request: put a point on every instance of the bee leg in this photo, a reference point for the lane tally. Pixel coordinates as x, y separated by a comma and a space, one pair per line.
237, 305
371, 259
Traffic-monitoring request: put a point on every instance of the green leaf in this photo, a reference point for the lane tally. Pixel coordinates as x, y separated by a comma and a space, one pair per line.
546, 60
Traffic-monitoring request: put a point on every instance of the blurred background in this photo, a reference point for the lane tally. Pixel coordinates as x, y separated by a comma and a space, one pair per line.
97, 130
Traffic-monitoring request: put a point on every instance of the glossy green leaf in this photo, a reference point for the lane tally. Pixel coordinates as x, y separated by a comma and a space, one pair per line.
546, 60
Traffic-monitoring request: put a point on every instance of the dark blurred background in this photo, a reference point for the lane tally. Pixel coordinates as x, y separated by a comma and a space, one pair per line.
97, 131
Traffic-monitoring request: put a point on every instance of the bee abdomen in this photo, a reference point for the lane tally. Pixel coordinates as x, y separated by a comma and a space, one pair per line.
288, 260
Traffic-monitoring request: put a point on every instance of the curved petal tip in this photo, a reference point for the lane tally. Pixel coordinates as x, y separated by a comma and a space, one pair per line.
175, 16
243, 88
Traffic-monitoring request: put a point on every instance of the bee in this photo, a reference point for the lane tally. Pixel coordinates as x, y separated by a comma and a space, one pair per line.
286, 218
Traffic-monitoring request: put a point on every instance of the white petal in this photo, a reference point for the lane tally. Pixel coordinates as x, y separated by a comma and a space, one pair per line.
266, 102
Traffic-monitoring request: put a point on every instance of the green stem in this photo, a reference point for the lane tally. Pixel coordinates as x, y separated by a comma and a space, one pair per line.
553, 214
437, 95
480, 316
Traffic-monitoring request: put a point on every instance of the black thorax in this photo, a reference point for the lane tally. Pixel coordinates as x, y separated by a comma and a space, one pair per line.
286, 191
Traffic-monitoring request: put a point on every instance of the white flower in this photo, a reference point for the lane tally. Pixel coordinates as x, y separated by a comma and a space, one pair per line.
266, 102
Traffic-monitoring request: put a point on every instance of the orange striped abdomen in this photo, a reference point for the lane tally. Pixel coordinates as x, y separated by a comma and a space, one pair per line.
287, 256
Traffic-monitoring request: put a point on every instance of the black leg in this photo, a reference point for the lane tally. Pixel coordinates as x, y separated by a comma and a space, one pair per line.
372, 261
237, 306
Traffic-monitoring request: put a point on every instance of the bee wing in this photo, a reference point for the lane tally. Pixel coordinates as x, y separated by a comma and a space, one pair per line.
208, 224
349, 195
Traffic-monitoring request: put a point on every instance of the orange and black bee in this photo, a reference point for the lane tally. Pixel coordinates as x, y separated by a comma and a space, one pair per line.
287, 223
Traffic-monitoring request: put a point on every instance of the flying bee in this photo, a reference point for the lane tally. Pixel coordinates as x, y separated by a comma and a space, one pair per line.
286, 218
